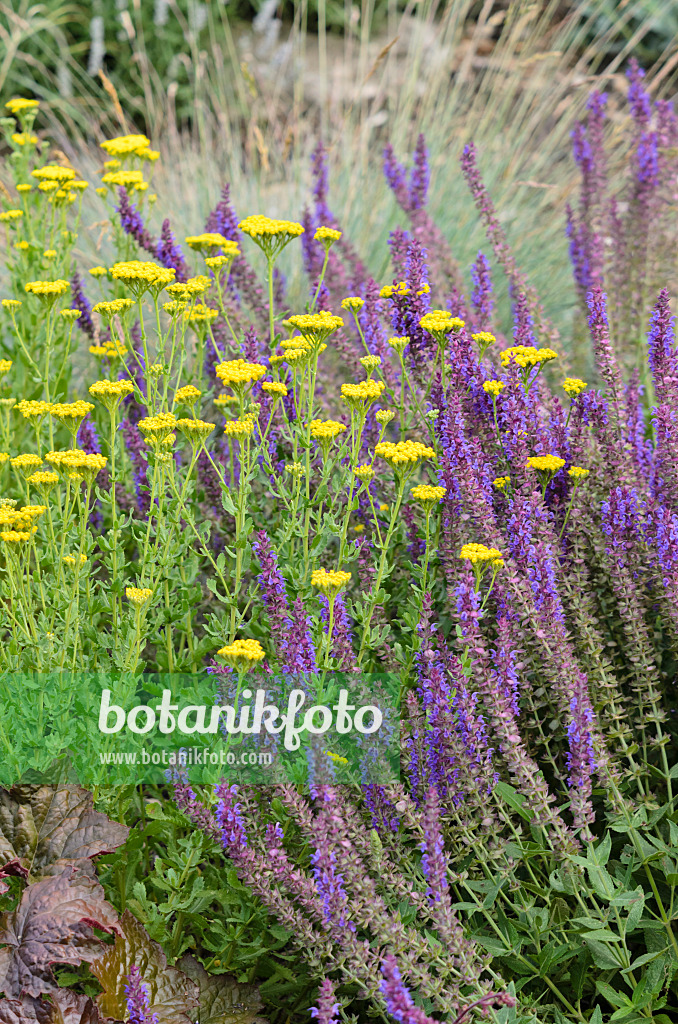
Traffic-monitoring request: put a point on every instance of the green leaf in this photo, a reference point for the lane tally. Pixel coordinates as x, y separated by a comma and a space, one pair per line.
513, 798
602, 956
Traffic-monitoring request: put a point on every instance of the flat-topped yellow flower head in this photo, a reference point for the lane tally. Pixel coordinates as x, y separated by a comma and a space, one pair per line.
125, 145
275, 389
428, 495
577, 473
43, 481
195, 431
157, 428
18, 104
10, 215
574, 386
327, 236
493, 387
47, 291
404, 454
26, 464
314, 328
330, 583
270, 235
33, 411
138, 596
208, 241
364, 473
526, 355
546, 463
239, 374
54, 172
240, 428
483, 340
112, 308
242, 654
70, 413
79, 465
399, 344
479, 553
111, 392
353, 302
142, 275
501, 482
362, 395
440, 323
188, 395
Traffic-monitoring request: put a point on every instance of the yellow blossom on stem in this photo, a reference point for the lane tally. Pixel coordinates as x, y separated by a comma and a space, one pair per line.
329, 582
501, 482
494, 387
188, 395
273, 388
138, 595
125, 145
353, 302
111, 392
428, 495
577, 472
239, 374
242, 654
574, 386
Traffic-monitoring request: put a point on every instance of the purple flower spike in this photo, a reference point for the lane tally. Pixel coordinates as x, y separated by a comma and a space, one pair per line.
397, 997
327, 1009
138, 1005
169, 253
79, 301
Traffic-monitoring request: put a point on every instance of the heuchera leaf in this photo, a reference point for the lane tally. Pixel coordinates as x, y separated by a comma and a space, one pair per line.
44, 829
52, 925
66, 1008
222, 999
172, 995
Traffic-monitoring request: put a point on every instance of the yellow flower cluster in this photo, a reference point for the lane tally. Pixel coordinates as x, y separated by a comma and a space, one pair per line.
187, 289
240, 428
501, 482
399, 344
157, 428
483, 339
18, 103
53, 172
111, 392
479, 553
494, 387
577, 472
143, 274
71, 412
574, 386
32, 410
209, 240
364, 473
272, 387
8, 215
324, 234
195, 430
113, 307
440, 323
258, 226
188, 395
125, 179
43, 480
5, 366
242, 653
546, 463
200, 313
404, 452
24, 139
370, 362
47, 289
125, 145
138, 596
526, 355
365, 391
353, 302
389, 290
315, 327
329, 582
11, 304
98, 271
427, 494
76, 464
71, 561
26, 463
237, 373
384, 416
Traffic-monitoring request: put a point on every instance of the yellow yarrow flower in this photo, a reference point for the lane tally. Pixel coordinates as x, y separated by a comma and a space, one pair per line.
26, 464
399, 344
241, 428
353, 302
111, 392
330, 583
493, 387
140, 275
242, 654
43, 481
526, 355
208, 240
48, 291
501, 482
33, 411
314, 328
98, 271
272, 387
270, 235
578, 473
238, 374
5, 366
404, 453
546, 463
195, 431
124, 179
24, 139
440, 323
384, 416
364, 393
574, 386
71, 414
483, 340
70, 560
327, 236
24, 187
188, 395
157, 428
8, 215
53, 172
201, 313
428, 495
364, 473
124, 145
18, 103
479, 553
326, 428
138, 596
389, 290
114, 307
71, 315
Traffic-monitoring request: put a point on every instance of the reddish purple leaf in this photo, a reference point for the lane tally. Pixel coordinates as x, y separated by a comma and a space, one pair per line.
52, 925
44, 829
